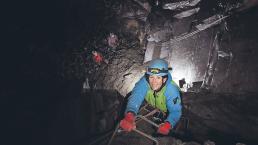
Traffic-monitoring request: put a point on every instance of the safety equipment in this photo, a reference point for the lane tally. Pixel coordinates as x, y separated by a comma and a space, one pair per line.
128, 123
158, 67
164, 128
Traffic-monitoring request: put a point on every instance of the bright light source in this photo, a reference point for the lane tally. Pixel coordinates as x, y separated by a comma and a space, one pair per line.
180, 74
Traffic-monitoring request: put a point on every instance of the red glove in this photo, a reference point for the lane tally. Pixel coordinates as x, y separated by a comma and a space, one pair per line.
128, 123
164, 128
98, 58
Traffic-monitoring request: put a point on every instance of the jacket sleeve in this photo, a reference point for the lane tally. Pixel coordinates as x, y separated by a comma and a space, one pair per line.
174, 106
138, 93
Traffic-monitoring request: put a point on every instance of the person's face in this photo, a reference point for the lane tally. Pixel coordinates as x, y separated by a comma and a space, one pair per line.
156, 82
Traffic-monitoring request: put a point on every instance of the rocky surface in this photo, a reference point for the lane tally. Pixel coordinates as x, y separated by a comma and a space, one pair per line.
70, 65
213, 119
210, 56
213, 55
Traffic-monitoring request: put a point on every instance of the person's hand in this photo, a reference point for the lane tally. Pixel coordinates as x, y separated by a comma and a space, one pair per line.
164, 128
128, 123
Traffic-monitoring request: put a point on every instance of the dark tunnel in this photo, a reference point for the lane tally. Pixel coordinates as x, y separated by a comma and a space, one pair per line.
69, 67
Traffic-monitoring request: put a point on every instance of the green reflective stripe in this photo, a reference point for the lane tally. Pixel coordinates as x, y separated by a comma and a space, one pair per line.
160, 99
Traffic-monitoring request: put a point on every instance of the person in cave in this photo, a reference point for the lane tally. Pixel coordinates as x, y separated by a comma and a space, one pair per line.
157, 88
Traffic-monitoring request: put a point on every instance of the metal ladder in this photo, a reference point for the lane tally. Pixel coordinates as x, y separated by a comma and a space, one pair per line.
138, 119
144, 118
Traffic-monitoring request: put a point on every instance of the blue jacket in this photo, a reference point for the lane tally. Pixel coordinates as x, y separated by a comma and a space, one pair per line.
173, 99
